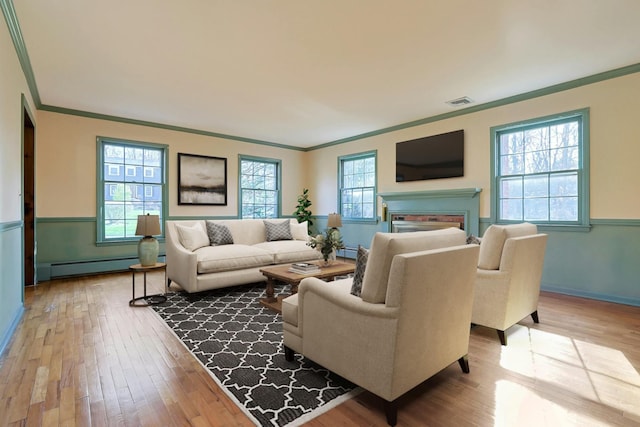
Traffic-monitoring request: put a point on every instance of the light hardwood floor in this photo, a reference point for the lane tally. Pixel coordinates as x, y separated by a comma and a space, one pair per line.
81, 356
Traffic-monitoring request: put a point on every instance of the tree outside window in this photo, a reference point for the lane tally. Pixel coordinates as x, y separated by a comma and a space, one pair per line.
358, 186
259, 187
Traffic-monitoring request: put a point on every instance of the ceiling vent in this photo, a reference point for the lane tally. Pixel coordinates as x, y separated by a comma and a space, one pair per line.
465, 100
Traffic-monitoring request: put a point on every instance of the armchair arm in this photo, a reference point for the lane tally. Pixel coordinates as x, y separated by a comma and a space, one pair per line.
490, 298
347, 335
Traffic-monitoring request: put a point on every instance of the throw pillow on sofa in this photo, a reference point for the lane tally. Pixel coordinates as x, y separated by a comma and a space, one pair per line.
192, 237
219, 234
299, 231
278, 230
361, 263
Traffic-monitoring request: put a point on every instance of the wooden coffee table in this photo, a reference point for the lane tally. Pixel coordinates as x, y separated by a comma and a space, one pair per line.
281, 273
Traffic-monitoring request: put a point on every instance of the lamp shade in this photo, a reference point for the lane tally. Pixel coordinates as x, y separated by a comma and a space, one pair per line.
148, 225
334, 220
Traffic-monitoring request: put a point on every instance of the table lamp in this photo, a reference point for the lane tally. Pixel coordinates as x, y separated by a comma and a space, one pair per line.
148, 246
334, 221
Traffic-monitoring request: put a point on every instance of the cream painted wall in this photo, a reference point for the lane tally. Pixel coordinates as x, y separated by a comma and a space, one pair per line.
615, 148
66, 187
12, 86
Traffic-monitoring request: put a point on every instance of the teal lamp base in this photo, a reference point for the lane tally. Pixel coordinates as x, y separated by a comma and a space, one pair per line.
148, 248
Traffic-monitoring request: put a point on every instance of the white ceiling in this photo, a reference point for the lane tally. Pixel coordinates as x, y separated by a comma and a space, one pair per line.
304, 73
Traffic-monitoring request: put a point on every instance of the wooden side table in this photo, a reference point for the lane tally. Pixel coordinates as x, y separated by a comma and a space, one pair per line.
148, 299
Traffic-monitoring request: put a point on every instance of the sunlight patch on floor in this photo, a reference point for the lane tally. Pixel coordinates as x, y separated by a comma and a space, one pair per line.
560, 364
517, 405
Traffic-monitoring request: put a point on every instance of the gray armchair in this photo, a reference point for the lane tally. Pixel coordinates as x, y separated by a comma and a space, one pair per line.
388, 347
508, 277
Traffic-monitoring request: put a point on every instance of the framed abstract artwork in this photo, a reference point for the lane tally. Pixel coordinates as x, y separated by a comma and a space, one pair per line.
202, 180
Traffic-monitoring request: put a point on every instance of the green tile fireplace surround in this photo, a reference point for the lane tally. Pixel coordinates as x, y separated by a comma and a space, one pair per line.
464, 202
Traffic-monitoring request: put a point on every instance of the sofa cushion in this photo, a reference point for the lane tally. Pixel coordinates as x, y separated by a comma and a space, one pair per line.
494, 239
385, 246
219, 234
289, 251
245, 231
358, 275
192, 237
280, 230
213, 259
299, 231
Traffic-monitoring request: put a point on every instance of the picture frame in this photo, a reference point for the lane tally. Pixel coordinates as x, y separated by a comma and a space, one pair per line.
202, 180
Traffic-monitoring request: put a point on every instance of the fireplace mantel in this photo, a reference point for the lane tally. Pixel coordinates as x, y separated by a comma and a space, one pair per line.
460, 201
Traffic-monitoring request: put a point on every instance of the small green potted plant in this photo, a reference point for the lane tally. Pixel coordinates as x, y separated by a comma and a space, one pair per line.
302, 212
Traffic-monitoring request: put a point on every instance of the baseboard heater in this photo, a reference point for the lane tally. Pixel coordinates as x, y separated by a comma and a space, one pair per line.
80, 268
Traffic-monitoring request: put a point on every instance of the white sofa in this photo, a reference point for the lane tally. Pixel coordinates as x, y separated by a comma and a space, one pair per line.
197, 265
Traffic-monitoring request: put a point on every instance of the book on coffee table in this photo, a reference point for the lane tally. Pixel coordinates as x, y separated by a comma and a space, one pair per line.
304, 268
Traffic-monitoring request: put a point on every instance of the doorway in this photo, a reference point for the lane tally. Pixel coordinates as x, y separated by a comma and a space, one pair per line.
28, 197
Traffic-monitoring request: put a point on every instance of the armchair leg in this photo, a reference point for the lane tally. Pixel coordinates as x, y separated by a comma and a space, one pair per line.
534, 316
502, 336
464, 363
288, 354
391, 410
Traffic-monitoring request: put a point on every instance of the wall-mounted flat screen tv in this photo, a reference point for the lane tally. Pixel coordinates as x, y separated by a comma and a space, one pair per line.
431, 157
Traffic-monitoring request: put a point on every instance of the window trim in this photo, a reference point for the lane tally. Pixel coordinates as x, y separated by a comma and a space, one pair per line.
100, 180
583, 222
278, 164
356, 156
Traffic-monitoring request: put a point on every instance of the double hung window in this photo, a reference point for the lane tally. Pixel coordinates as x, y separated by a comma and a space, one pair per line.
357, 178
131, 182
539, 169
259, 187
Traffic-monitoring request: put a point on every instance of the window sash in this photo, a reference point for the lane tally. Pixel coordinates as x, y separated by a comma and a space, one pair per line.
259, 188
540, 172
357, 182
130, 192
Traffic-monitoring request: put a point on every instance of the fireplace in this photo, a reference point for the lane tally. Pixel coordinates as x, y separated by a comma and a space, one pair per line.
432, 210
401, 223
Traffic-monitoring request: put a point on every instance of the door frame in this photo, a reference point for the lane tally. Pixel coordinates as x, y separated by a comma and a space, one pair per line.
28, 195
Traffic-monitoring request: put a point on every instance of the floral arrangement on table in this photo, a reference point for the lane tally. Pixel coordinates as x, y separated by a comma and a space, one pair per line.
327, 243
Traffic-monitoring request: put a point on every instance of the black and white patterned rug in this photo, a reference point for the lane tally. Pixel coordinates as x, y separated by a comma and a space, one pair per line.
240, 343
